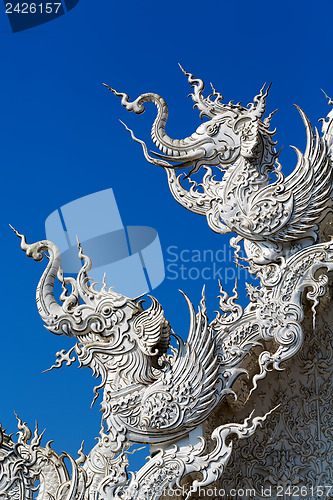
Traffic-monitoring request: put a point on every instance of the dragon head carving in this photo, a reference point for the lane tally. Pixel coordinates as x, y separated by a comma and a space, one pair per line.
232, 130
267, 213
108, 326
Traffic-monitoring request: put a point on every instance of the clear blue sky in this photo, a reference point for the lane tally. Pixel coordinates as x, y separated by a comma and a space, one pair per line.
61, 140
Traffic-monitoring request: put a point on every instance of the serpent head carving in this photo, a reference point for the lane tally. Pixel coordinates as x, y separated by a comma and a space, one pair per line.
108, 326
268, 213
232, 130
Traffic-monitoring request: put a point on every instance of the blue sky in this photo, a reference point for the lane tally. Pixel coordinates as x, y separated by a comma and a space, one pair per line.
61, 140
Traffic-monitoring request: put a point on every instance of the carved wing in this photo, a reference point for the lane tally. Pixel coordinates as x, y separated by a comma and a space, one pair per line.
310, 183
296, 202
187, 391
195, 369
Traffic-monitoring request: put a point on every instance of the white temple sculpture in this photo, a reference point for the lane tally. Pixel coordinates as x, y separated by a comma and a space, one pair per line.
157, 394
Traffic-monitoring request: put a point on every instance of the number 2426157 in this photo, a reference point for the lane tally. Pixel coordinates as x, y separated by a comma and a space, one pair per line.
33, 8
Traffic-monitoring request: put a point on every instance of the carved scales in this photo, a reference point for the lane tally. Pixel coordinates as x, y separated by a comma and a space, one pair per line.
157, 396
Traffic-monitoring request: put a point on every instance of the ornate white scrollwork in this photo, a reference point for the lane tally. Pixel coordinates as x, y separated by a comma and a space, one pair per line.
157, 393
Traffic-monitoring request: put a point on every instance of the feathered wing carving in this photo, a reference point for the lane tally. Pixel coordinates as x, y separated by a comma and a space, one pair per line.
309, 185
187, 391
259, 211
288, 208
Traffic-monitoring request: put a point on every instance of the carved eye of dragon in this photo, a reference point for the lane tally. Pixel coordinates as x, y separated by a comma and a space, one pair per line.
212, 129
